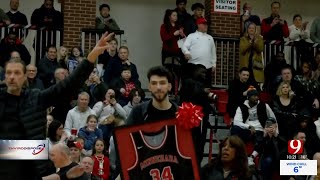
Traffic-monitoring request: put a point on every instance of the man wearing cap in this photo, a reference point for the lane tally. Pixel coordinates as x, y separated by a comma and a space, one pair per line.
199, 48
191, 24
250, 121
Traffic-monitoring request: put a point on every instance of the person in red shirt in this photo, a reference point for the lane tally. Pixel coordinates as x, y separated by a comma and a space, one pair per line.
101, 165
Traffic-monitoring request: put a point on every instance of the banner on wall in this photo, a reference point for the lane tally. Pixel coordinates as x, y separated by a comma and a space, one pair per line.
225, 6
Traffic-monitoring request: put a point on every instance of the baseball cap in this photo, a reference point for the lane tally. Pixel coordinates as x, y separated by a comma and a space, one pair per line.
201, 21
75, 144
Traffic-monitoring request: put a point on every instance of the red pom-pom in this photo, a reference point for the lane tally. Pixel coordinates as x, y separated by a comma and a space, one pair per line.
189, 115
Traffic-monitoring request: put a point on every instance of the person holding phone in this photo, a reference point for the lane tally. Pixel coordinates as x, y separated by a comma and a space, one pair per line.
247, 18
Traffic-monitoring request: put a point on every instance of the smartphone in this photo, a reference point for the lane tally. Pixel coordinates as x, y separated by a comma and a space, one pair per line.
268, 124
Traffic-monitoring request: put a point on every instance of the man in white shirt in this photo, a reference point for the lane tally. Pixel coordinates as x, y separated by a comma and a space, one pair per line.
77, 117
199, 48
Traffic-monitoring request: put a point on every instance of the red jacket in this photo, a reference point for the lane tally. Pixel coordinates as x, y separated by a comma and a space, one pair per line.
277, 32
106, 167
169, 40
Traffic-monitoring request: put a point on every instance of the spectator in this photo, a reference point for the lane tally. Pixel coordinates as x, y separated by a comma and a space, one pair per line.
104, 109
33, 81
15, 55
15, 16
306, 78
49, 120
316, 67
90, 132
191, 26
101, 165
170, 33
77, 117
75, 151
124, 84
47, 16
250, 120
298, 30
247, 18
315, 30
95, 88
75, 58
115, 66
56, 133
231, 161
199, 48
183, 16
59, 155
47, 67
87, 163
136, 97
274, 28
286, 109
4, 18
251, 48
12, 43
63, 57
238, 89
105, 21
274, 149
59, 75
110, 53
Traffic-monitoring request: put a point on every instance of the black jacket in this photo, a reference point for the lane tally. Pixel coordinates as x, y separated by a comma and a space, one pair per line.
34, 103
46, 70
38, 18
114, 69
17, 18
6, 49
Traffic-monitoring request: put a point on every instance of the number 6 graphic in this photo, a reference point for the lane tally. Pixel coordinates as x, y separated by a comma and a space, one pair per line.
295, 169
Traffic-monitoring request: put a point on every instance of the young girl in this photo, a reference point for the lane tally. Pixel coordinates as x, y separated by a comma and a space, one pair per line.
101, 166
76, 58
90, 132
75, 151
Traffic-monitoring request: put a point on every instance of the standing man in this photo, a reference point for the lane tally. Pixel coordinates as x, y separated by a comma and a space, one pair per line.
199, 48
23, 112
198, 10
315, 30
183, 15
247, 18
47, 16
105, 21
16, 17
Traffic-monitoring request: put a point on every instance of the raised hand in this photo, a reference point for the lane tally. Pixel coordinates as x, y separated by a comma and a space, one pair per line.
100, 47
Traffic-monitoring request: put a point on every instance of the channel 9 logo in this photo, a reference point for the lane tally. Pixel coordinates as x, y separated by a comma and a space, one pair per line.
295, 146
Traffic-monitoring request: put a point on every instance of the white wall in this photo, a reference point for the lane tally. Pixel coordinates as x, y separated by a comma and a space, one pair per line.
27, 6
141, 21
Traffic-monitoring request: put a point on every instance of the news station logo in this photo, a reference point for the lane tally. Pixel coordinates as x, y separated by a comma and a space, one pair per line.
24, 149
295, 146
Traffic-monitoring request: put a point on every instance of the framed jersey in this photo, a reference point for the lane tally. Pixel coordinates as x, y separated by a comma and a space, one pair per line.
159, 150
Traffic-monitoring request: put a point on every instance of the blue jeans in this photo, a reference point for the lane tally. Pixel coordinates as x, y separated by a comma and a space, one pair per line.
266, 167
107, 132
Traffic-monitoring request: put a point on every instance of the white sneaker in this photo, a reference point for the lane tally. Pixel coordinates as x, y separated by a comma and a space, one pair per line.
250, 161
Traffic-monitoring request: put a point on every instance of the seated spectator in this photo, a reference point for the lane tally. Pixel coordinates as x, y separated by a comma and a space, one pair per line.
191, 26
238, 89
12, 43
77, 117
15, 55
47, 67
171, 32
33, 81
136, 96
183, 16
59, 75
250, 120
90, 132
49, 120
105, 21
298, 30
15, 16
123, 85
230, 163
247, 18
56, 133
315, 30
75, 58
115, 66
75, 151
306, 78
95, 88
87, 164
84, 152
274, 28
272, 71
110, 53
104, 109
251, 47
316, 66
101, 165
274, 149
63, 57
285, 106
4, 18
47, 16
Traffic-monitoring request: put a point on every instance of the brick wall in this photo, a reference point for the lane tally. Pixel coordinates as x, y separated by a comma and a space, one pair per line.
226, 26
77, 14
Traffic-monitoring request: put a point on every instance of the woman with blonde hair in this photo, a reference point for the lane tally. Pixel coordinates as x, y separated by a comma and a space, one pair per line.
62, 56
285, 107
251, 48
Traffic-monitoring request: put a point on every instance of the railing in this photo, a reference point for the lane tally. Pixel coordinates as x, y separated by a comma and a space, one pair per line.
35, 39
89, 37
227, 50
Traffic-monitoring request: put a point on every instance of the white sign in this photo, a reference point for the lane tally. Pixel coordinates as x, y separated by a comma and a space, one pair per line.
24, 149
298, 167
226, 6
